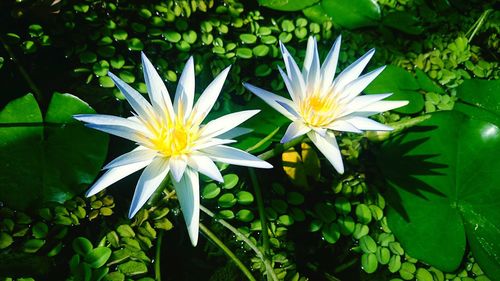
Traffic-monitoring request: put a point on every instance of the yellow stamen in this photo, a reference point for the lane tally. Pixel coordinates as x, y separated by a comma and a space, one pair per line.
319, 110
175, 138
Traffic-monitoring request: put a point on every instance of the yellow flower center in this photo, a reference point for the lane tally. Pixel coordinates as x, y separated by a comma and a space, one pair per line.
175, 139
318, 110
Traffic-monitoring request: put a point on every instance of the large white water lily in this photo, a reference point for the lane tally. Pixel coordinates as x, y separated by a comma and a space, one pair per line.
172, 140
321, 104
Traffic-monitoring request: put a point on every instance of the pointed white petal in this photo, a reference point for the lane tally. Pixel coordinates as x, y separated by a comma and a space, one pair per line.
235, 156
184, 95
226, 123
344, 126
330, 149
177, 168
188, 193
311, 69
360, 102
149, 181
353, 71
113, 175
140, 154
158, 93
134, 98
382, 106
235, 132
290, 107
208, 97
293, 71
294, 130
296, 97
330, 65
355, 87
368, 124
208, 142
118, 126
271, 99
320, 131
206, 166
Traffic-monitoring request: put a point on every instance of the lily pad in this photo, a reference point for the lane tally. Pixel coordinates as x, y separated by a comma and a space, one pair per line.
352, 13
287, 5
444, 174
47, 159
480, 99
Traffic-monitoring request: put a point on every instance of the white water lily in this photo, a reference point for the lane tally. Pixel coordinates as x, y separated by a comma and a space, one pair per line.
171, 140
321, 104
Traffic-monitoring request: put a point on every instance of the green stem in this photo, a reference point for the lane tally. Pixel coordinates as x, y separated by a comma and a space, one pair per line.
263, 141
477, 25
262, 212
397, 127
157, 255
23, 72
228, 252
278, 149
269, 269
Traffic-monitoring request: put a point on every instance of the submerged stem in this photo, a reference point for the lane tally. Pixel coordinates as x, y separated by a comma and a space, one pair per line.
227, 251
157, 256
269, 269
262, 212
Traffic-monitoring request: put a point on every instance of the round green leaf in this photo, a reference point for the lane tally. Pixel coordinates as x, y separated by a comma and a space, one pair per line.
82, 246
369, 262
98, 257
248, 38
367, 244
210, 191
47, 163
40, 230
5, 240
227, 200
245, 215
132, 268
135, 44
331, 233
244, 53
230, 181
101, 68
290, 5
352, 13
244, 197
444, 176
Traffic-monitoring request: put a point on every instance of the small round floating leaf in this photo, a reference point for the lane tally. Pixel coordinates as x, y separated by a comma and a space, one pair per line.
248, 38
132, 268
285, 37
106, 51
137, 27
369, 262
106, 82
145, 13
127, 76
315, 225
244, 53
226, 214
230, 181
244, 197
347, 225
424, 275
98, 257
125, 231
367, 244
285, 220
342, 205
5, 240
40, 230
268, 39
35, 30
227, 200
100, 68
106, 40
294, 198
218, 50
331, 233
383, 255
377, 213
210, 191
29, 47
260, 50
271, 214
287, 25
360, 230
88, 57
82, 246
394, 263
117, 62
120, 34
33, 245
396, 248
301, 32
135, 44
245, 215
407, 271
363, 214
190, 36
183, 46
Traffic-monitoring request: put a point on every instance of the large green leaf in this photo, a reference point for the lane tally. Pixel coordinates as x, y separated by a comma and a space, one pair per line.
403, 86
480, 99
444, 173
352, 13
287, 5
47, 160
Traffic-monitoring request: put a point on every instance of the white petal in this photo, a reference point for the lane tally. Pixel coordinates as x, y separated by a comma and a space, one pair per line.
158, 93
354, 88
364, 123
118, 126
382, 106
294, 73
330, 149
140, 154
271, 99
296, 129
184, 95
311, 68
359, 103
235, 156
149, 181
134, 98
290, 108
113, 175
353, 71
177, 168
206, 166
330, 65
208, 142
208, 97
188, 193
235, 132
226, 123
344, 126
296, 97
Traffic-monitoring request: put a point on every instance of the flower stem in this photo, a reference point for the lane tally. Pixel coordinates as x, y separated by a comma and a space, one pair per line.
477, 25
278, 149
269, 269
158, 255
262, 212
228, 252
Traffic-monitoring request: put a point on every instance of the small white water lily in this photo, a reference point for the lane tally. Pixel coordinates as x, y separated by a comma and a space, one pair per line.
172, 140
321, 105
